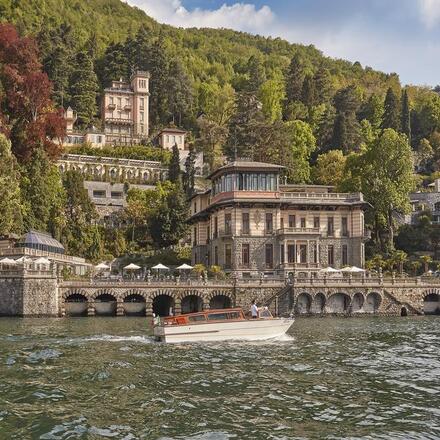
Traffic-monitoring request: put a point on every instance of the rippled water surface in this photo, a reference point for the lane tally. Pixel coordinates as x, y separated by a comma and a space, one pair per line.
93, 378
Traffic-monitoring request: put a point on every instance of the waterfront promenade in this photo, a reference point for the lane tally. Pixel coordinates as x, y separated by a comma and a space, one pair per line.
30, 292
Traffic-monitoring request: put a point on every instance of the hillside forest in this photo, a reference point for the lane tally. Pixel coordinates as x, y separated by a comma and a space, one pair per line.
329, 122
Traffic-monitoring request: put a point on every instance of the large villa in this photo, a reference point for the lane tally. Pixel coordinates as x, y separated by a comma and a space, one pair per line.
250, 224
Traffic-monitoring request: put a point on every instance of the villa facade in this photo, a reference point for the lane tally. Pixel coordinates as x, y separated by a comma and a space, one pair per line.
125, 110
250, 224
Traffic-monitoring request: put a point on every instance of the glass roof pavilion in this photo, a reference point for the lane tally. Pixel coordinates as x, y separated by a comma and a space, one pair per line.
40, 241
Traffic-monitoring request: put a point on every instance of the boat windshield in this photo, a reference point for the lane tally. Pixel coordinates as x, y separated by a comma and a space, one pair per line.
224, 316
196, 318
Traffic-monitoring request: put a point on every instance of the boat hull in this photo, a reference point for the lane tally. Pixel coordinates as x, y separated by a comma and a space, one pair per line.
248, 330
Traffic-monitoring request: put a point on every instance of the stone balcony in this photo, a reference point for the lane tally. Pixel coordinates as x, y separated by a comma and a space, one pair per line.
298, 231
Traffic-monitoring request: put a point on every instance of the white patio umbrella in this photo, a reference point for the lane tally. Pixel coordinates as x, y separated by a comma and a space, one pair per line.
329, 270
42, 260
102, 266
24, 260
184, 266
132, 266
352, 269
8, 261
160, 266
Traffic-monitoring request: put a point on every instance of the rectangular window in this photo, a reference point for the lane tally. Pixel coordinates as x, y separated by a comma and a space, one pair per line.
282, 223
228, 224
282, 253
245, 227
142, 116
119, 103
98, 194
141, 106
291, 253
269, 256
112, 101
330, 226
303, 253
303, 222
216, 255
344, 255
344, 226
316, 222
195, 236
269, 222
292, 221
228, 256
245, 254
315, 253
116, 195
331, 255
215, 227
208, 234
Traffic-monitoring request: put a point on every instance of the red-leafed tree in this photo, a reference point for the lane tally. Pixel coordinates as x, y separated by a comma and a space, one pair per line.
28, 115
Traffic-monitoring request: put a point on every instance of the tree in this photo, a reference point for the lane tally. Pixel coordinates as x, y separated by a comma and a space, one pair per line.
406, 116
11, 215
329, 168
256, 73
174, 168
372, 110
385, 173
114, 64
426, 260
43, 195
180, 93
168, 223
211, 139
398, 259
216, 102
190, 172
323, 87
423, 155
294, 80
84, 89
245, 127
391, 116
346, 129
271, 97
27, 114
308, 94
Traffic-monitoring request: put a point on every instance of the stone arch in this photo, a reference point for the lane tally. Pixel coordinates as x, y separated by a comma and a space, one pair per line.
101, 292
191, 303
220, 301
303, 303
105, 303
227, 293
372, 302
70, 292
163, 305
357, 302
431, 303
134, 303
133, 293
338, 303
318, 304
75, 304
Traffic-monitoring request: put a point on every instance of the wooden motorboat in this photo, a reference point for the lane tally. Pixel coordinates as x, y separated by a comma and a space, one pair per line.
220, 325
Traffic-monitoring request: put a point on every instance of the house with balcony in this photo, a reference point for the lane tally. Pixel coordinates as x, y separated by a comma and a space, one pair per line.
249, 223
125, 110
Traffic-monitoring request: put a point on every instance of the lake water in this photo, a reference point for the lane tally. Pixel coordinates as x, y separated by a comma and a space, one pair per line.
93, 378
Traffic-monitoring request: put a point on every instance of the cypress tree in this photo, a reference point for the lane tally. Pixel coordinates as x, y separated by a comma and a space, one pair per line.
174, 168
391, 116
190, 172
308, 95
294, 79
339, 139
257, 75
406, 116
322, 86
84, 89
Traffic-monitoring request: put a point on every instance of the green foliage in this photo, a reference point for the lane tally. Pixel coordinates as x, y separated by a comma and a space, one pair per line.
174, 168
190, 173
329, 168
391, 117
11, 210
84, 89
272, 96
124, 152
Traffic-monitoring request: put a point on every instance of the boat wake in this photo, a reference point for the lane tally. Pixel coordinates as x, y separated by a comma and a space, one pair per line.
115, 338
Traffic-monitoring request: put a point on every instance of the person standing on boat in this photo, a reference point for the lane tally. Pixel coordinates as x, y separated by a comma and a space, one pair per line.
254, 310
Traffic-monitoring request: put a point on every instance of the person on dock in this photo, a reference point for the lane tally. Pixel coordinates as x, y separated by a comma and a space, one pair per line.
254, 310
